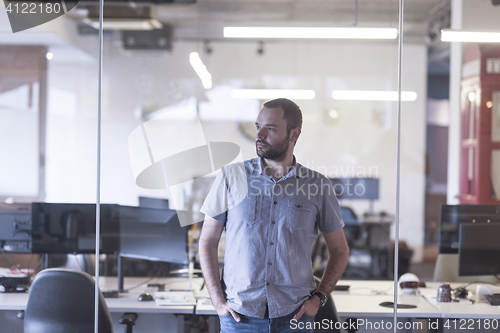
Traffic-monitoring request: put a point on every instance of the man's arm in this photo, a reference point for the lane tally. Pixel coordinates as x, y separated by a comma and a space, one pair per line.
209, 241
335, 266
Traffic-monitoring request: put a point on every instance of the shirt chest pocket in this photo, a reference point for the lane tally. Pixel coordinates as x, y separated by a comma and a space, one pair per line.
301, 215
253, 209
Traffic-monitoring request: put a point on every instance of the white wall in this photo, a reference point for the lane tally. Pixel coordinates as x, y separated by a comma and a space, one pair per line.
353, 144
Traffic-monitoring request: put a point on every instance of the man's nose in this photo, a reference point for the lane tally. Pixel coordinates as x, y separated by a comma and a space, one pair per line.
260, 134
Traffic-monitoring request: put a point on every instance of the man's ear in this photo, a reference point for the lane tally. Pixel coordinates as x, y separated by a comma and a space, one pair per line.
295, 133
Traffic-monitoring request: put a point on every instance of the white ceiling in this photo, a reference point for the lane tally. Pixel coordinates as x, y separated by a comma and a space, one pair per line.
206, 18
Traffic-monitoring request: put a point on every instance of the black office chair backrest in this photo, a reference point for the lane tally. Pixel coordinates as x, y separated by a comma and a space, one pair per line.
349, 216
62, 301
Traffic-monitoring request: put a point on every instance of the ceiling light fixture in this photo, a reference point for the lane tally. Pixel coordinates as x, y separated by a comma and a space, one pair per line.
272, 94
49, 55
310, 32
372, 95
124, 24
470, 36
200, 69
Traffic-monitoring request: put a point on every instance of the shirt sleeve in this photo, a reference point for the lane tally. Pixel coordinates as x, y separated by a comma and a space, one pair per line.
330, 218
216, 203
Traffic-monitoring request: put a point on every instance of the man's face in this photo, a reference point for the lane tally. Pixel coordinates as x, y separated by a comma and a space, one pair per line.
272, 139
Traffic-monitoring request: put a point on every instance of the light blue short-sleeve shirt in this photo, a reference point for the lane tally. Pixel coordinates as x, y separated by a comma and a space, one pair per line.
270, 228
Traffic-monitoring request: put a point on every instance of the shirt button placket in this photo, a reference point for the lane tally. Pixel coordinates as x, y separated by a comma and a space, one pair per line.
271, 255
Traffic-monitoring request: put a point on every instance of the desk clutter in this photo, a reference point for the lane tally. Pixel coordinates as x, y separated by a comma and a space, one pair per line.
174, 298
14, 280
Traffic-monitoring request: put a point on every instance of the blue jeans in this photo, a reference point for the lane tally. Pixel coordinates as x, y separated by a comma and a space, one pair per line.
283, 324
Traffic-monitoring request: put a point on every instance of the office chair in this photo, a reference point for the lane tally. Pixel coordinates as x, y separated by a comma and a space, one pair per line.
352, 229
329, 312
62, 301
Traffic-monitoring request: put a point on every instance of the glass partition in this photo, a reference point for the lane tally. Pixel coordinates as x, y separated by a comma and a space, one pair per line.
48, 149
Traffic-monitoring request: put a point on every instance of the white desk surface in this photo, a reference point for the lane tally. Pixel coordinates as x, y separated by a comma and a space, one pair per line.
463, 309
368, 306
127, 302
388, 219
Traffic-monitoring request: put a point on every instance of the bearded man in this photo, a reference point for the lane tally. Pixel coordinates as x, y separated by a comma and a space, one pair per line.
268, 283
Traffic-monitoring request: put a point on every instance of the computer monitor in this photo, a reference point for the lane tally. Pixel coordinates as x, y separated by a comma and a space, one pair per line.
452, 216
153, 202
15, 227
479, 249
356, 188
153, 234
70, 228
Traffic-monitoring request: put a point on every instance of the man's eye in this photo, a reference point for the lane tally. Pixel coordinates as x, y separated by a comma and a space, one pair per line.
270, 129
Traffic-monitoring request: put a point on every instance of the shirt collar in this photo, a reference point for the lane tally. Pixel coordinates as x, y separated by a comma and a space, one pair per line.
294, 172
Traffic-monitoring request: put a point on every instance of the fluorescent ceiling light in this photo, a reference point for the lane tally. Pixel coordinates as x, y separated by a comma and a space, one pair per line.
368, 95
272, 94
308, 32
470, 36
124, 24
201, 70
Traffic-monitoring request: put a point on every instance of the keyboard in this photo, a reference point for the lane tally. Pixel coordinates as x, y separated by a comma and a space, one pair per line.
494, 299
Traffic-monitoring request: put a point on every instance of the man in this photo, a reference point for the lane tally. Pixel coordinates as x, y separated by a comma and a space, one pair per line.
271, 208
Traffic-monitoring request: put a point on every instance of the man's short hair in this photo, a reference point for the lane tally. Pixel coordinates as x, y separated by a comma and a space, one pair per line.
293, 115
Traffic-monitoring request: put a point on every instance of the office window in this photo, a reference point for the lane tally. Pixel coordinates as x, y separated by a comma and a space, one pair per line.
22, 84
495, 175
495, 117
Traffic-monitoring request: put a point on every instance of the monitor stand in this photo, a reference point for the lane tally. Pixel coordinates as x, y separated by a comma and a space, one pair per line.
120, 274
370, 209
190, 270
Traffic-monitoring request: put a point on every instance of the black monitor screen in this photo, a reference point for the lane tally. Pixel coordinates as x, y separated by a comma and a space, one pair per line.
70, 228
479, 250
452, 216
153, 202
356, 188
153, 234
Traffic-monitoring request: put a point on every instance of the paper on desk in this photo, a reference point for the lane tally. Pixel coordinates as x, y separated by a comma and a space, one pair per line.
201, 294
7, 272
174, 298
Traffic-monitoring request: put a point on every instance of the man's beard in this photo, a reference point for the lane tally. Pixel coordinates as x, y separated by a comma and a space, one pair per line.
274, 152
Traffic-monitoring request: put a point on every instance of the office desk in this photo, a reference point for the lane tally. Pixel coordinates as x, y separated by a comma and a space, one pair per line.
363, 289
127, 302
463, 309
152, 318
362, 300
